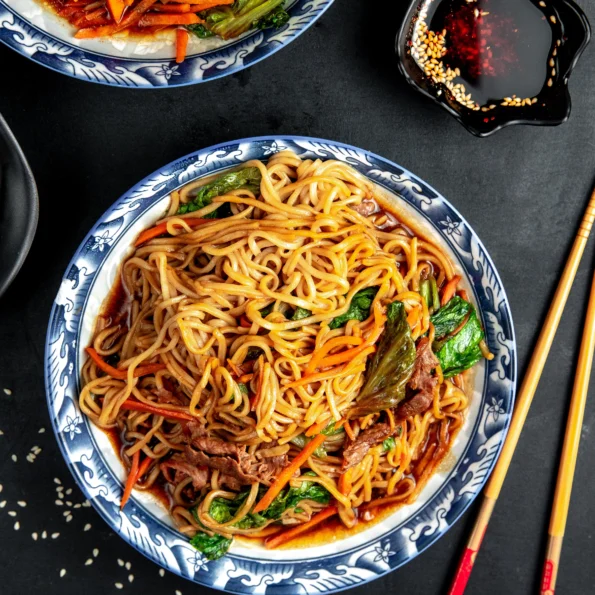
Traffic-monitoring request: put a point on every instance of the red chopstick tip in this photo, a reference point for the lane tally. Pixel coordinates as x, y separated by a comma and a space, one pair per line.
547, 588
464, 572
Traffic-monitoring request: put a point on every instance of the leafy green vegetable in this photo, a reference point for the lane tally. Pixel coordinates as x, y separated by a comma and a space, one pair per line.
429, 291
389, 444
243, 388
390, 368
267, 310
253, 353
223, 510
301, 313
359, 309
461, 352
243, 15
290, 498
200, 31
248, 178
301, 440
449, 318
274, 20
330, 430
212, 546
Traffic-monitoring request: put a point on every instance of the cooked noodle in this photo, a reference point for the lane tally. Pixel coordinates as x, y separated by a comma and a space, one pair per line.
194, 301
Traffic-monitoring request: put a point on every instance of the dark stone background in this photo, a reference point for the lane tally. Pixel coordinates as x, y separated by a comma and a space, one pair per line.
523, 190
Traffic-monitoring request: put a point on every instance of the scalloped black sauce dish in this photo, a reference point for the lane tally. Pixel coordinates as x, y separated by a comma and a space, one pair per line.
494, 63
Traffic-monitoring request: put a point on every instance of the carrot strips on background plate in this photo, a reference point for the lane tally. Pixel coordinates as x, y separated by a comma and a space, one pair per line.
181, 45
450, 289
132, 405
131, 479
161, 229
150, 20
290, 534
133, 17
116, 9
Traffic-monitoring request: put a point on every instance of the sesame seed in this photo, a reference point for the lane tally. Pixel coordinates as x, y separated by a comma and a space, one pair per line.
55, 535
95, 553
59, 503
86, 504
118, 585
22, 503
87, 527
77, 506
66, 513
130, 578
1, 487
17, 526
7, 391
68, 518
12, 513
14, 458
56, 480
44, 534
89, 562
3, 504
1, 433
178, 592
68, 503
128, 565
161, 572
62, 572
34, 535
41, 431
120, 562
553, 19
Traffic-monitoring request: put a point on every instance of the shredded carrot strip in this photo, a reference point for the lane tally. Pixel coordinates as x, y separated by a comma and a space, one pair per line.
116, 9
131, 405
345, 356
464, 295
181, 45
290, 534
244, 379
130, 20
172, 8
245, 322
122, 374
319, 354
131, 479
151, 19
204, 4
349, 431
288, 472
161, 229
237, 372
450, 289
143, 468
316, 428
344, 484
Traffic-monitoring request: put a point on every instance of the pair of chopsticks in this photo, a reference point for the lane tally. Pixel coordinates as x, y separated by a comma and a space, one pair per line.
573, 427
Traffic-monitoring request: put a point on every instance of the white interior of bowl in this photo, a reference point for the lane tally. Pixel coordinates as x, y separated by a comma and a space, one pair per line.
157, 46
101, 288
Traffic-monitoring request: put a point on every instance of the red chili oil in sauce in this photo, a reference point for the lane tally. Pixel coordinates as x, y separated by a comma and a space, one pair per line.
501, 47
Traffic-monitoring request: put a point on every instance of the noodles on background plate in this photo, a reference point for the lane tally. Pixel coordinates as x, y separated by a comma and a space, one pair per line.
279, 353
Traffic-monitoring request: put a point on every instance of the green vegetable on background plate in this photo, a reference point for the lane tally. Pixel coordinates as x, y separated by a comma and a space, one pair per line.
212, 546
391, 367
448, 318
248, 178
359, 309
231, 21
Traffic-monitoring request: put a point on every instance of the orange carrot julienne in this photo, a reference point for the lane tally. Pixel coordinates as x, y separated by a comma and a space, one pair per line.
131, 405
204, 4
150, 20
142, 469
319, 354
181, 45
344, 483
161, 229
287, 473
450, 289
132, 18
122, 374
316, 428
344, 356
349, 431
290, 534
116, 9
131, 479
333, 373
172, 8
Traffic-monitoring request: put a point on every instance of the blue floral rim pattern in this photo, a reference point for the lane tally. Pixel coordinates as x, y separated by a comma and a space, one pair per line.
45, 49
237, 573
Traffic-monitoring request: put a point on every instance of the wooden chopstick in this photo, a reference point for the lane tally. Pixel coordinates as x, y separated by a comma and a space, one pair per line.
572, 439
524, 399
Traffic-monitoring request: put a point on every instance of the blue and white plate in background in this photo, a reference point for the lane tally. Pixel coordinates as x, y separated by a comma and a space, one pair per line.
361, 557
36, 32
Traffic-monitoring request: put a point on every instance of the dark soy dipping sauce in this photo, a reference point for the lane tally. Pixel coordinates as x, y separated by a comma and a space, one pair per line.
501, 47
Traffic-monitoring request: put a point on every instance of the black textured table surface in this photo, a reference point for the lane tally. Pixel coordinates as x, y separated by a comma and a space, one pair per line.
523, 190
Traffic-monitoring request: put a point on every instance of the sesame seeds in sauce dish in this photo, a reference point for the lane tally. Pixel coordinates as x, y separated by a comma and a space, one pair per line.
493, 63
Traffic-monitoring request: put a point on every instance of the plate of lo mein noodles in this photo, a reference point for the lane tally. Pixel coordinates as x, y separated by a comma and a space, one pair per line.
153, 43
281, 361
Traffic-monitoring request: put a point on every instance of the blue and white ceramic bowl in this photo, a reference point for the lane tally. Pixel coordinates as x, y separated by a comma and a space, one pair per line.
36, 32
359, 558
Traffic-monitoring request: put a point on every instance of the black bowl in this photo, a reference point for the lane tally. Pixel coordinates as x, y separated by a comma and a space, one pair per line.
553, 105
19, 207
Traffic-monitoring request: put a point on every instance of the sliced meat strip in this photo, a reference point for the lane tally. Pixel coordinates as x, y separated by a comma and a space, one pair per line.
183, 468
358, 449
